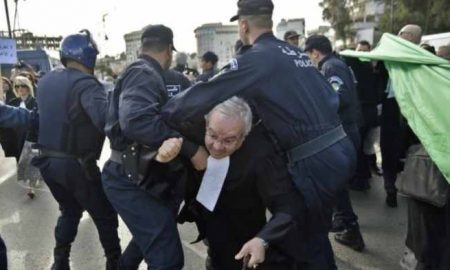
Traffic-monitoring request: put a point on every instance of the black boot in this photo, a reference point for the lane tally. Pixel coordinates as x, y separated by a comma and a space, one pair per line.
373, 164
391, 199
112, 262
337, 225
61, 258
351, 237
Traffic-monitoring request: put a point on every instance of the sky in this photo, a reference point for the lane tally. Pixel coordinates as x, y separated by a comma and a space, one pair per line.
64, 17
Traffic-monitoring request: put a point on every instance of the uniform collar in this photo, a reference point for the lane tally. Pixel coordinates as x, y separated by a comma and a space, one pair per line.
324, 60
268, 35
155, 64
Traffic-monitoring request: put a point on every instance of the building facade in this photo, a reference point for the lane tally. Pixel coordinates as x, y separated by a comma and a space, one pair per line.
27, 40
132, 45
217, 38
298, 25
366, 15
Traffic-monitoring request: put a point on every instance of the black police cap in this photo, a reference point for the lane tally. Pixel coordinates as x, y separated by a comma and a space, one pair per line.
253, 7
158, 33
290, 34
318, 42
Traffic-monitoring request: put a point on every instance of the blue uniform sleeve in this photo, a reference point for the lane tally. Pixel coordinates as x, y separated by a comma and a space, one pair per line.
338, 80
14, 117
139, 109
188, 108
94, 102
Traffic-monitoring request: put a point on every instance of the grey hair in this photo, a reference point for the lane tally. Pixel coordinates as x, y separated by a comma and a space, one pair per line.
235, 108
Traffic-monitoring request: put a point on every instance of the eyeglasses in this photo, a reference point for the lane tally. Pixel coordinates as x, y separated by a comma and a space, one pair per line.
20, 85
227, 142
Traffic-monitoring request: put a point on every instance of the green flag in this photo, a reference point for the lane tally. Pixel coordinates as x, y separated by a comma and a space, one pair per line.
421, 82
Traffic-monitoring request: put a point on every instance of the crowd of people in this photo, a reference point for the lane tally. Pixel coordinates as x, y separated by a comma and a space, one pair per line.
220, 149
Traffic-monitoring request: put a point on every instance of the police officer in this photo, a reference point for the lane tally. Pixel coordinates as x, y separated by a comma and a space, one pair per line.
134, 124
208, 64
175, 82
342, 80
72, 111
14, 117
299, 109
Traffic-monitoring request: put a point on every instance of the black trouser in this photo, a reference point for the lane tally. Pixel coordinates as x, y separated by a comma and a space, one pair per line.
75, 193
426, 234
3, 257
363, 173
390, 143
343, 209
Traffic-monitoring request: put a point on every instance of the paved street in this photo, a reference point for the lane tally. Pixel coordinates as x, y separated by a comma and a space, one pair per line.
27, 228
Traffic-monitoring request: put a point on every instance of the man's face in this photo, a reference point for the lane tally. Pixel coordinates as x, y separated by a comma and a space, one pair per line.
406, 35
293, 40
224, 135
314, 55
362, 48
243, 31
205, 65
169, 56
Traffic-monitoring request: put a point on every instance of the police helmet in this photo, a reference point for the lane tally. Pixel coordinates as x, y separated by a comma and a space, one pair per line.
80, 48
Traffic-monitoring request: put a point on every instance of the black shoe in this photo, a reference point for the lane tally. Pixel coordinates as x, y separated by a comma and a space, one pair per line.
391, 200
338, 225
31, 194
112, 263
373, 165
350, 237
60, 265
61, 255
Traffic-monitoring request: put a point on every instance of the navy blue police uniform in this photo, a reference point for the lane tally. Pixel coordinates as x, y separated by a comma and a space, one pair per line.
12, 117
72, 113
298, 108
342, 81
134, 119
175, 82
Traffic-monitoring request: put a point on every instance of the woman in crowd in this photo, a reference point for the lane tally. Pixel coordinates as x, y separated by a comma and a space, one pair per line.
25, 98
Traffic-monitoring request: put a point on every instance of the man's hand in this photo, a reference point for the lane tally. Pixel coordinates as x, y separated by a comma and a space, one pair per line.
255, 249
200, 159
169, 150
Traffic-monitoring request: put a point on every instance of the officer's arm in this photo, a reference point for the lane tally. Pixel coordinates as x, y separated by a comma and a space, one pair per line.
94, 102
139, 110
14, 117
189, 107
334, 77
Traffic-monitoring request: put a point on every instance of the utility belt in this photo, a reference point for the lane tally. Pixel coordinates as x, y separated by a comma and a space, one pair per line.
144, 171
87, 162
316, 145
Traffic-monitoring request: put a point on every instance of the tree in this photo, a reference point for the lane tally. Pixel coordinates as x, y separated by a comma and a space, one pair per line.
337, 13
432, 15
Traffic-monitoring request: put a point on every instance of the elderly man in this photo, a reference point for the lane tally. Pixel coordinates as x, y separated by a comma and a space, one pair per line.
298, 107
254, 182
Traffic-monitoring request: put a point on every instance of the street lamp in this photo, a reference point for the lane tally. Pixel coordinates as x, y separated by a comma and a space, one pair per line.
7, 18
